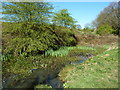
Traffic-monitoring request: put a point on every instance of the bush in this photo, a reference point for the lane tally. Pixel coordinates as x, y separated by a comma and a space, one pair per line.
105, 30
66, 36
30, 39
88, 30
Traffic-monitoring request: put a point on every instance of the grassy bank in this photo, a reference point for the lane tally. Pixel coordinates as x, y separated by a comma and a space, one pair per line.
83, 75
100, 71
22, 66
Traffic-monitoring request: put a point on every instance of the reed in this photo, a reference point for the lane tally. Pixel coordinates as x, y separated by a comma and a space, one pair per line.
64, 51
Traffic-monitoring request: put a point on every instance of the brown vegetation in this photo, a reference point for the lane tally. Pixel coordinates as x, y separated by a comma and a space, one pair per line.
93, 39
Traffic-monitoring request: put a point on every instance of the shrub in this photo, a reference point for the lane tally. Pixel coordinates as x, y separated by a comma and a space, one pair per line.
88, 30
30, 39
105, 30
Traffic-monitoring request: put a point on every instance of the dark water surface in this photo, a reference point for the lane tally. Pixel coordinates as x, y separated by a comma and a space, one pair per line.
38, 76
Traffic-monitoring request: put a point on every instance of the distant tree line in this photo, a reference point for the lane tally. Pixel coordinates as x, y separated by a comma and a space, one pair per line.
108, 20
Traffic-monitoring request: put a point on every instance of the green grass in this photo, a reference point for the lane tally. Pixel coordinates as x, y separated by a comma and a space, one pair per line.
99, 72
46, 87
68, 51
64, 51
22, 65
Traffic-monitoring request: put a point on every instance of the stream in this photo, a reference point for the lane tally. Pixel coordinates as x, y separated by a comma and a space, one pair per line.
38, 77
55, 82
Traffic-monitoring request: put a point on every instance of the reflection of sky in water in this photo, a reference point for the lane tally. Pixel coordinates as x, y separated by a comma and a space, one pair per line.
82, 59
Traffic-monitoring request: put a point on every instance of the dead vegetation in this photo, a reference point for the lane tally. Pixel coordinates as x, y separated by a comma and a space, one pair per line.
93, 39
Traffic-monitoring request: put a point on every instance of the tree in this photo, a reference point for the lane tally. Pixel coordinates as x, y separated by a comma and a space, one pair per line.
89, 25
78, 26
26, 32
26, 27
63, 18
37, 12
110, 16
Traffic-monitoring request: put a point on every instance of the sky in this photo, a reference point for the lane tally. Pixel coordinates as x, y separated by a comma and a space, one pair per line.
83, 12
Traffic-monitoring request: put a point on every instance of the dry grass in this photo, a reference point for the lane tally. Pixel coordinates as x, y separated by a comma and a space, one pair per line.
93, 39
